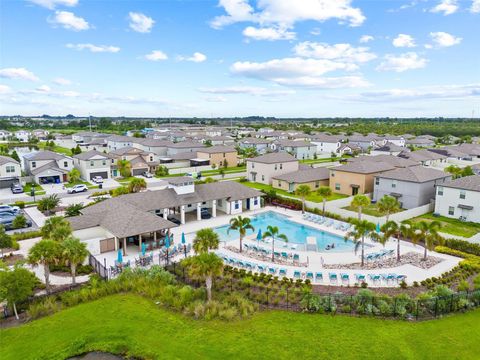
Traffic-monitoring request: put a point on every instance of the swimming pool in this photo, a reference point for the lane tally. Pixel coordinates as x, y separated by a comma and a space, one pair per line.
296, 233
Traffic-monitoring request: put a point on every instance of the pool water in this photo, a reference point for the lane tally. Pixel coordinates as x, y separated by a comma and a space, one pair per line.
296, 233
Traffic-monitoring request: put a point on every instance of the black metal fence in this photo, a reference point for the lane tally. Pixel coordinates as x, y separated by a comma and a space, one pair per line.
98, 267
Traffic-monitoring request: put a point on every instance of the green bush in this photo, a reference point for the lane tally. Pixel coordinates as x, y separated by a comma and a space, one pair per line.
81, 269
464, 246
20, 204
26, 235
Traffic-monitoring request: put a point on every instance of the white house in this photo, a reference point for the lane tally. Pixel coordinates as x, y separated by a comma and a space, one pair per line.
264, 167
91, 164
48, 166
459, 199
10, 171
23, 135
299, 149
260, 145
326, 144
116, 142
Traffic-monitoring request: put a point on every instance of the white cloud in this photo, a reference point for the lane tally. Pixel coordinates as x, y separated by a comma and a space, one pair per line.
342, 52
268, 33
403, 62
248, 90
62, 81
448, 7
4, 89
156, 55
94, 48
18, 73
443, 39
300, 72
197, 57
287, 12
475, 8
43, 89
52, 4
140, 22
69, 21
218, 99
404, 40
366, 38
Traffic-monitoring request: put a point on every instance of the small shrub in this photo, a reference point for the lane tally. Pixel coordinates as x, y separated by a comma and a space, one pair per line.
20, 204
463, 286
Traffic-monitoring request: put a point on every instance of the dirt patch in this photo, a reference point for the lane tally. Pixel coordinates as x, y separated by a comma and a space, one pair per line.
11, 259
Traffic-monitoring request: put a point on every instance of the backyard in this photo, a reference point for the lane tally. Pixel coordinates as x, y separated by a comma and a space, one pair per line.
452, 226
135, 326
371, 210
314, 197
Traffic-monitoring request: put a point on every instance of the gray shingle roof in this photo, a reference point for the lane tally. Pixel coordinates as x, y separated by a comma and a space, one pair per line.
46, 155
90, 154
273, 158
52, 165
389, 159
218, 149
293, 143
417, 174
467, 183
186, 145
7, 159
304, 176
365, 167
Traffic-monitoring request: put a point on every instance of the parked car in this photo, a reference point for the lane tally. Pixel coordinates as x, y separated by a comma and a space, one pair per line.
10, 209
205, 214
97, 180
7, 222
16, 188
194, 175
147, 174
77, 188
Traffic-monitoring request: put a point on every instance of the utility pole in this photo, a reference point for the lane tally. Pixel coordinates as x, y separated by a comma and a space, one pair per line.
90, 121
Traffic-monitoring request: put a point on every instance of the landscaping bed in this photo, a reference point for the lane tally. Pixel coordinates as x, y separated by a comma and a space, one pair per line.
371, 210
451, 226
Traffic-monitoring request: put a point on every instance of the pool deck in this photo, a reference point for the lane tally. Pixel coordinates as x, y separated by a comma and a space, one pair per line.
314, 259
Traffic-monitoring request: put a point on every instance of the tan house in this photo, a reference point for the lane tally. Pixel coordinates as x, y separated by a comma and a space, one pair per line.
263, 168
312, 177
219, 155
356, 177
140, 161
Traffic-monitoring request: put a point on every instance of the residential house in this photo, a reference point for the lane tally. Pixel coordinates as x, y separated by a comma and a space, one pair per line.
40, 134
327, 144
366, 142
219, 155
260, 145
476, 169
4, 134
10, 171
356, 177
348, 149
424, 157
312, 177
388, 149
184, 146
459, 199
264, 167
93, 163
23, 135
116, 142
158, 147
420, 142
412, 186
88, 136
48, 166
299, 149
396, 161
394, 139
140, 161
216, 140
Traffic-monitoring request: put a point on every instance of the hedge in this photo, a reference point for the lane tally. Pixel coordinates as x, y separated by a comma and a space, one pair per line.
464, 246
26, 235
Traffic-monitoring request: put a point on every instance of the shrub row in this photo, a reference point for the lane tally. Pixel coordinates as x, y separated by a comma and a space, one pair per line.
26, 235
464, 246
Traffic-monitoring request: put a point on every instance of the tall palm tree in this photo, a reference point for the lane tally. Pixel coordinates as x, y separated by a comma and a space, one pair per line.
390, 229
324, 192
46, 252
303, 191
74, 252
56, 228
388, 205
428, 232
359, 202
74, 176
240, 224
205, 240
204, 267
274, 232
124, 168
137, 184
362, 229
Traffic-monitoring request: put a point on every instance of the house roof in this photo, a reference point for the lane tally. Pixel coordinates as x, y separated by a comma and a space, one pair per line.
389, 159
152, 142
186, 145
417, 174
273, 158
89, 155
52, 165
421, 155
390, 147
327, 138
255, 141
466, 183
293, 143
365, 167
304, 176
128, 150
7, 159
217, 149
120, 138
180, 180
46, 155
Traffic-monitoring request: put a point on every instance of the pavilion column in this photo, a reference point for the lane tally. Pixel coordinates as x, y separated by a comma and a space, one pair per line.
214, 208
199, 211
115, 240
124, 246
140, 242
182, 214
165, 213
155, 237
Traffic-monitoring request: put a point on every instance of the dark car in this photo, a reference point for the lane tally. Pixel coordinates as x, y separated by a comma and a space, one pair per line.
205, 214
16, 188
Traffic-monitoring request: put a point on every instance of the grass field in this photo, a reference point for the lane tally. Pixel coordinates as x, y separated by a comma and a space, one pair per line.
371, 210
452, 226
131, 324
312, 197
58, 149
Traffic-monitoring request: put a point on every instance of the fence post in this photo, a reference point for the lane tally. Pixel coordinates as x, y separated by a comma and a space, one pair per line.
416, 315
287, 299
436, 306
395, 308
351, 304
267, 299
451, 302
329, 303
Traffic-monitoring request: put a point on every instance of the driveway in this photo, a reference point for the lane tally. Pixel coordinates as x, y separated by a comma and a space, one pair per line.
6, 194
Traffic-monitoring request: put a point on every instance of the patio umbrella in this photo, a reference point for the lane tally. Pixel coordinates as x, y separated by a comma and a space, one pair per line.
378, 228
183, 238
259, 235
184, 246
120, 256
167, 241
144, 249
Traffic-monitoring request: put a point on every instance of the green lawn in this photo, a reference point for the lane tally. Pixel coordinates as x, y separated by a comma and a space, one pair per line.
89, 185
134, 325
58, 149
318, 161
228, 170
312, 197
452, 226
371, 210
38, 189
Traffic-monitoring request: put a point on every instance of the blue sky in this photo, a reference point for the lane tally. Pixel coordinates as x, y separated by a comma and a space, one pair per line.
284, 58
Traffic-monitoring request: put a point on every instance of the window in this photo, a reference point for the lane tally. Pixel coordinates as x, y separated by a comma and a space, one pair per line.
440, 191
253, 165
151, 158
263, 177
92, 163
275, 166
281, 166
462, 194
337, 186
255, 201
34, 164
104, 162
377, 181
333, 174
279, 184
237, 205
394, 184
317, 184
451, 210
223, 154
10, 169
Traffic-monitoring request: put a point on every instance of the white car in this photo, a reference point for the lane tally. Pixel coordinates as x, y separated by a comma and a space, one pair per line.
8, 208
147, 175
98, 179
77, 188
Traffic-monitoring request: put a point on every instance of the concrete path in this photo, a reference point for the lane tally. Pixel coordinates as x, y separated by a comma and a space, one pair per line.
36, 215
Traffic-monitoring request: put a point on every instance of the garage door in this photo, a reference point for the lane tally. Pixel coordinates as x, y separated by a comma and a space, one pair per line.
107, 245
102, 174
5, 183
139, 171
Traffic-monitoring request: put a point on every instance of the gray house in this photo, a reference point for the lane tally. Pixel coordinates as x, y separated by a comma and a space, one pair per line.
412, 186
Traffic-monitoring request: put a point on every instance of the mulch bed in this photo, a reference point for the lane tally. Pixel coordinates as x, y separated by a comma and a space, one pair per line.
12, 259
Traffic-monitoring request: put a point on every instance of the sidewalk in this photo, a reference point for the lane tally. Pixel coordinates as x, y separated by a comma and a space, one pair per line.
37, 217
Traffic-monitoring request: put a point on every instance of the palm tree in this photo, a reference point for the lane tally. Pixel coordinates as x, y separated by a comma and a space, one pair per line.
74, 176
137, 184
273, 231
204, 267
205, 240
454, 170
390, 229
303, 191
124, 168
45, 252
324, 192
388, 205
428, 232
56, 228
240, 224
74, 252
362, 228
359, 202
74, 210
48, 203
